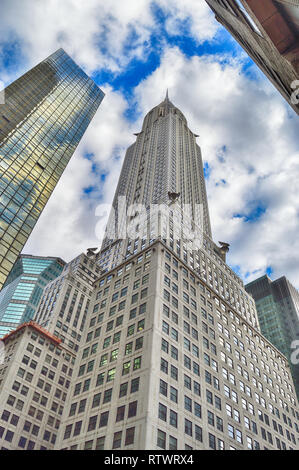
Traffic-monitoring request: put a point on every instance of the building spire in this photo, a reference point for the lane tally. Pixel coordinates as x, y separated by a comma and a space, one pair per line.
166, 97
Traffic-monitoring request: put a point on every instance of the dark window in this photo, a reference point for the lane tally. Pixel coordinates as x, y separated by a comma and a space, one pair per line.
104, 419
129, 436
132, 409
120, 413
161, 439
92, 423
117, 440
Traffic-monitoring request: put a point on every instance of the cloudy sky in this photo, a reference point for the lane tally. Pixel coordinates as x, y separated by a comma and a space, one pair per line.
134, 50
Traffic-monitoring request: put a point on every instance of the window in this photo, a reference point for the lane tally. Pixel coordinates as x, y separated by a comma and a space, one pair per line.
100, 442
96, 400
164, 366
106, 342
219, 423
104, 360
100, 379
211, 418
129, 436
198, 433
163, 387
217, 402
174, 353
135, 385
129, 348
132, 409
107, 395
196, 388
120, 413
162, 412
114, 355
173, 444
126, 367
82, 405
111, 374
142, 309
197, 409
137, 363
104, 419
209, 396
123, 389
173, 394
187, 382
173, 418
231, 431
77, 428
92, 423
161, 439
212, 441
117, 440
188, 404
187, 362
188, 427
131, 330
5, 415
164, 345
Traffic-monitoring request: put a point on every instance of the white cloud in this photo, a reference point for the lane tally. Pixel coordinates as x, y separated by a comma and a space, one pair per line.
193, 17
94, 35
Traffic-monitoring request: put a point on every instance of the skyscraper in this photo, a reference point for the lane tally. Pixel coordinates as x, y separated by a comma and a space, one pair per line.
268, 30
164, 159
44, 117
172, 356
277, 304
24, 287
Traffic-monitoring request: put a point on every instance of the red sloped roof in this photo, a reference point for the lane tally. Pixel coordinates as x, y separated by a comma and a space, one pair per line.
36, 327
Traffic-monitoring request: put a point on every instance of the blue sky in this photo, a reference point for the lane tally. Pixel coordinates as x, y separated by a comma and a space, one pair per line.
135, 50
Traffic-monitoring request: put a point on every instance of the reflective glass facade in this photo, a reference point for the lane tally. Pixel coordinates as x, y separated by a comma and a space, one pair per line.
45, 114
23, 289
277, 304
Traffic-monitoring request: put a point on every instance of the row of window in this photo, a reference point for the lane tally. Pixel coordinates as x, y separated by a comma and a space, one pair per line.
209, 345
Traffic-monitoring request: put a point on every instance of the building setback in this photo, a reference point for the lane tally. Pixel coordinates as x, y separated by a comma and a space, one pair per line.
277, 304
43, 118
23, 289
268, 30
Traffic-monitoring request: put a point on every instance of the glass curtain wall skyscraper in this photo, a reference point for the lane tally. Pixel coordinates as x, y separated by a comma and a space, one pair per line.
24, 287
277, 304
43, 118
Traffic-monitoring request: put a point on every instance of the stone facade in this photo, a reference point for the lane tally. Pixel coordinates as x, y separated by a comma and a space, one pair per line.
34, 381
171, 365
